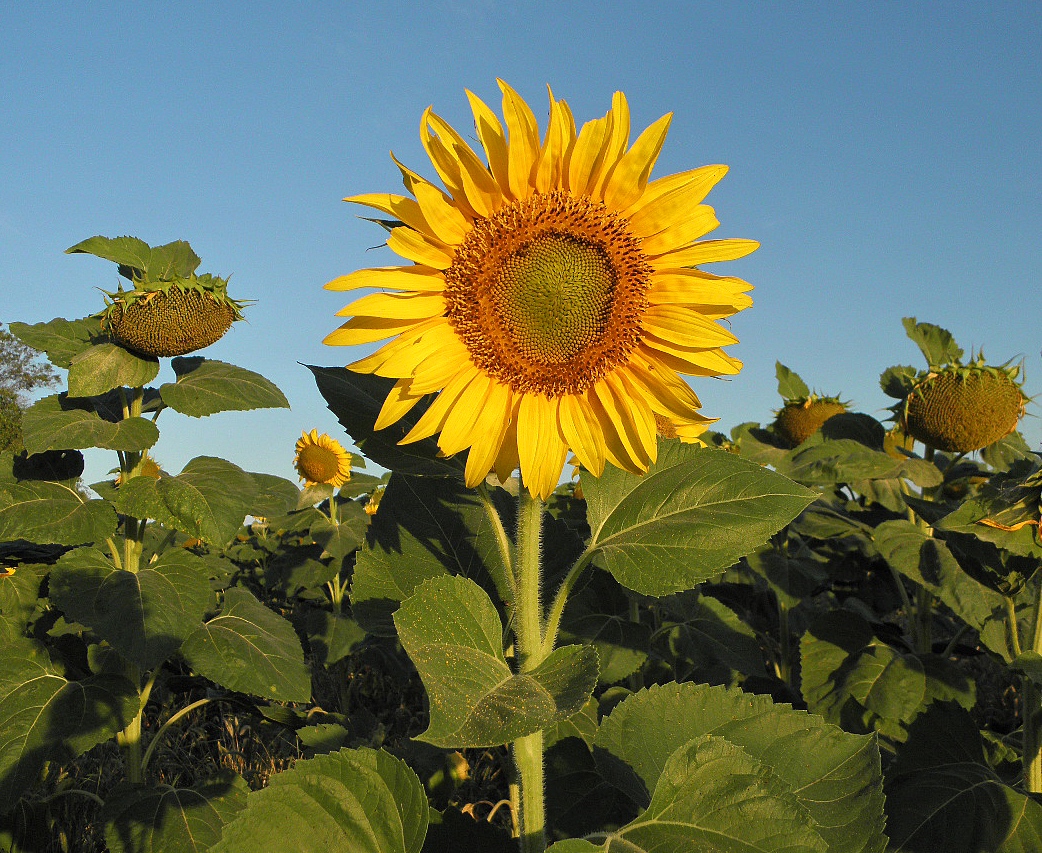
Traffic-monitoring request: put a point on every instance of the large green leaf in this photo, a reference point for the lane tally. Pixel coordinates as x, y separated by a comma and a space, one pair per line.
45, 717
251, 649
141, 819
364, 801
426, 527
204, 387
101, 368
59, 338
452, 633
928, 562
19, 593
144, 615
692, 515
834, 775
790, 385
855, 681
137, 259
936, 344
356, 400
707, 634
943, 797
58, 422
209, 499
621, 644
44, 512
714, 795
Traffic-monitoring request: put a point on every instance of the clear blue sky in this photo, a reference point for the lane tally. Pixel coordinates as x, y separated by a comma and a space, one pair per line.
888, 156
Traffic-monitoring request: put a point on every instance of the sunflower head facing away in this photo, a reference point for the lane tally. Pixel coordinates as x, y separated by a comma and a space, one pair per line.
552, 300
321, 459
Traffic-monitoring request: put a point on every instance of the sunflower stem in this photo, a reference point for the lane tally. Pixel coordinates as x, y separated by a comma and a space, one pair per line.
528, 750
1031, 712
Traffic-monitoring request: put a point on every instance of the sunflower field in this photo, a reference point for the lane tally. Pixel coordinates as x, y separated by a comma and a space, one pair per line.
542, 605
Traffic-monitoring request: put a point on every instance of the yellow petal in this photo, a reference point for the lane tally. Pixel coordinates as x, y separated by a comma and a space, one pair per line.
416, 247
698, 182
445, 220
445, 164
489, 431
665, 392
433, 419
523, 141
404, 209
698, 222
540, 450
694, 362
630, 177
615, 145
416, 278
582, 431
398, 403
587, 154
685, 327
706, 252
622, 424
436, 372
656, 217
404, 354
457, 433
480, 187
493, 140
639, 414
549, 170
404, 306
507, 459
366, 330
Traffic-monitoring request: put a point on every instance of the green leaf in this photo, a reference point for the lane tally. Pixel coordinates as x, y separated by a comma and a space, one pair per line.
159, 263
708, 633
19, 593
713, 795
426, 527
44, 512
346, 535
898, 381
145, 615
45, 717
695, 513
209, 498
356, 400
790, 385
332, 636
57, 422
928, 562
251, 649
205, 386
853, 680
621, 644
936, 344
365, 801
835, 775
142, 818
792, 579
101, 368
451, 631
943, 797
60, 339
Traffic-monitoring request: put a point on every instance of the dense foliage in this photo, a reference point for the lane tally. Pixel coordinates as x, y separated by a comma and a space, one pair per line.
835, 646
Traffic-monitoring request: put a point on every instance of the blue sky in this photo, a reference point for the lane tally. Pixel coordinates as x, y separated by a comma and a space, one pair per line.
888, 156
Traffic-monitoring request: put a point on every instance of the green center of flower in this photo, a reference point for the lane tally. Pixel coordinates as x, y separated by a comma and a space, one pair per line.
548, 293
318, 464
556, 297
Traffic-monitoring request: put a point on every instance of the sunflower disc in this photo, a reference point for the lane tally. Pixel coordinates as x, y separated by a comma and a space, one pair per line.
174, 322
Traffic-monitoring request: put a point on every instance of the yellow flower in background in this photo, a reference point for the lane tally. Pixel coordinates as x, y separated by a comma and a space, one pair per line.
321, 459
553, 298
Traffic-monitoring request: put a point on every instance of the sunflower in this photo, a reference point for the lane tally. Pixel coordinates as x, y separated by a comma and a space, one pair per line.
321, 459
553, 297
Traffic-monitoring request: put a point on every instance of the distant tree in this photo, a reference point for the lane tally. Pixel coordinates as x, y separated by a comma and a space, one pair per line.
21, 370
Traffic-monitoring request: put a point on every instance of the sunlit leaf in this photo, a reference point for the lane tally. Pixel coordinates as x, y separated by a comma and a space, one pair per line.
44, 512
365, 801
57, 422
205, 386
59, 338
936, 344
106, 366
454, 637
251, 649
692, 515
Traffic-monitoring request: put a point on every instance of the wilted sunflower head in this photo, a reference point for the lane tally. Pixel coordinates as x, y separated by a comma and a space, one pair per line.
321, 459
553, 298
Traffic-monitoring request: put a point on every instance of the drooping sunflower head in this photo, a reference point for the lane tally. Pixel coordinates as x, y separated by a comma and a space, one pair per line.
553, 298
321, 459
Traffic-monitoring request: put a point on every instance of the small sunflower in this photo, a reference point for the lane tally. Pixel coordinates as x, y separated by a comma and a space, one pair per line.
553, 298
321, 459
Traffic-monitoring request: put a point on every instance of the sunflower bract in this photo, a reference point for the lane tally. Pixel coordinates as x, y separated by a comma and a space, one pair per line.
552, 302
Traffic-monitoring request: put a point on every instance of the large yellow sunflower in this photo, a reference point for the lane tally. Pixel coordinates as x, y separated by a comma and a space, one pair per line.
552, 298
321, 459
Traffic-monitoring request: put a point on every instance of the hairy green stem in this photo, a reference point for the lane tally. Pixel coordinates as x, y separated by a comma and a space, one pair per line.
502, 575
1031, 712
528, 750
553, 618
